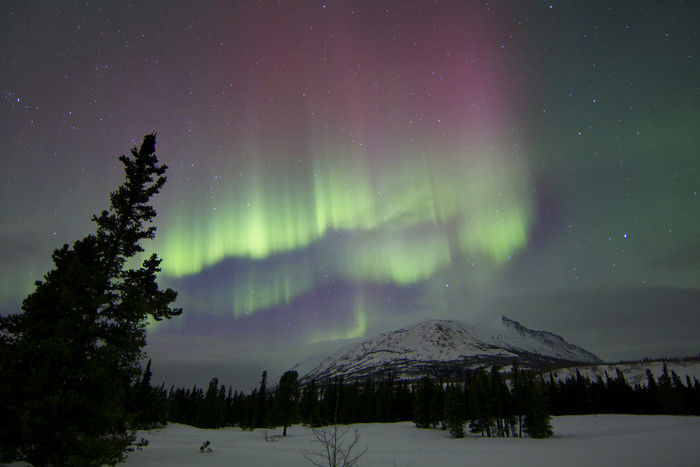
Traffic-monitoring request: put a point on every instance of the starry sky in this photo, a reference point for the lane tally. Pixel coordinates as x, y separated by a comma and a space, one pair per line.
342, 168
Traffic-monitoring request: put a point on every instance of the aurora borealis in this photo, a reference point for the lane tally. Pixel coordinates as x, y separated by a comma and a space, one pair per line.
341, 168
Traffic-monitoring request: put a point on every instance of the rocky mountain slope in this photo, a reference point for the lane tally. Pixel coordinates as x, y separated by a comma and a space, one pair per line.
449, 348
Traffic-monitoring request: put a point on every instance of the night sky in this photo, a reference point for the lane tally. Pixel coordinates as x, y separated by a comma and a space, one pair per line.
344, 168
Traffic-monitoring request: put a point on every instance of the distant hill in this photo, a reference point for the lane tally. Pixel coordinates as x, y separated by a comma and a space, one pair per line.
634, 372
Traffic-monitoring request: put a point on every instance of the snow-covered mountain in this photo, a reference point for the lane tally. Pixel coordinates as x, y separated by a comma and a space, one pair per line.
449, 348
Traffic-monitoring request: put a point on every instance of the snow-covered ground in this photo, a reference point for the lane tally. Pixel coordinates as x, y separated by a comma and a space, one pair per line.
603, 440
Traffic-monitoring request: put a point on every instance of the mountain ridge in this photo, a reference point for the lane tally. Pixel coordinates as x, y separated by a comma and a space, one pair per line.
448, 348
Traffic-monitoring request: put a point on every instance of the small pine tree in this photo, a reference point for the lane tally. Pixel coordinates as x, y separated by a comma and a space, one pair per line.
148, 404
455, 411
308, 405
481, 404
669, 398
537, 419
437, 406
285, 410
212, 413
368, 401
260, 414
423, 415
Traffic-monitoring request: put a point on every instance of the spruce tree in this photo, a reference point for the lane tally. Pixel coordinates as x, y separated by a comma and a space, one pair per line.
212, 412
404, 402
501, 404
308, 405
455, 411
351, 404
652, 405
260, 415
148, 404
669, 398
537, 419
423, 416
437, 406
71, 357
481, 404
285, 410
521, 396
368, 401
386, 407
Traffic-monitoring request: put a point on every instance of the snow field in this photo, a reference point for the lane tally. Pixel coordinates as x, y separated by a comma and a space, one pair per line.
603, 440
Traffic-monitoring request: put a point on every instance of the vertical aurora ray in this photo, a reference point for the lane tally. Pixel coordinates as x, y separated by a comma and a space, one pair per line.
261, 288
400, 233
342, 194
487, 201
353, 330
400, 258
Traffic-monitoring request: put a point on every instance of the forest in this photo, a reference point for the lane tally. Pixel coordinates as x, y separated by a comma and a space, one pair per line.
489, 403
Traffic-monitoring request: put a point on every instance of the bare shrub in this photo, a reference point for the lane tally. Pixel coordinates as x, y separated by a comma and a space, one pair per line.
336, 448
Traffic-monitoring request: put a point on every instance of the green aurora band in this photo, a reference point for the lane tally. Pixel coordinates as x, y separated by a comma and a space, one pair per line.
394, 220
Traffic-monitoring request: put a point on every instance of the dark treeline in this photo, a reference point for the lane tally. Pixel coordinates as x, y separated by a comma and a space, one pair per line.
483, 401
488, 403
668, 394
